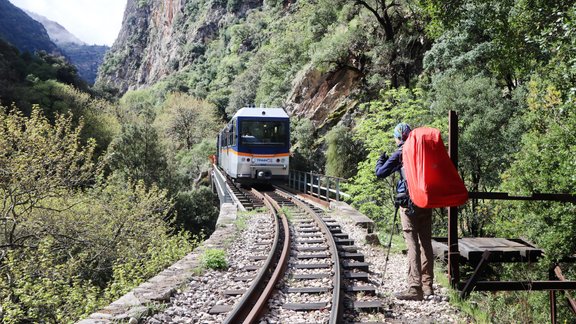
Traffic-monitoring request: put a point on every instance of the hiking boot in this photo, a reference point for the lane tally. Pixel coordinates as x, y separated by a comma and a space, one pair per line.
428, 291
414, 293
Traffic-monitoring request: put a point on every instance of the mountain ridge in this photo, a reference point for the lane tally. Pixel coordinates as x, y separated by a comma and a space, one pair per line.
57, 33
22, 31
31, 32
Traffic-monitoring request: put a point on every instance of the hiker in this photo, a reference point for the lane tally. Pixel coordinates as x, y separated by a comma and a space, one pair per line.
416, 224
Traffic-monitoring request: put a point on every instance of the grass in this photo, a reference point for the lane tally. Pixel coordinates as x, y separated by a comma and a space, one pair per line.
289, 214
467, 307
240, 222
397, 245
214, 259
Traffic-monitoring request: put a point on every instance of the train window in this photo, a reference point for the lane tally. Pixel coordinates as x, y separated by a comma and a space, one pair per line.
258, 132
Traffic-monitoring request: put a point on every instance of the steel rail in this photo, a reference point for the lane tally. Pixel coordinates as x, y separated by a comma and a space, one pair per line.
254, 300
337, 307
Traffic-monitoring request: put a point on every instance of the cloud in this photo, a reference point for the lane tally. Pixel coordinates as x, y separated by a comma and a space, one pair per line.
94, 22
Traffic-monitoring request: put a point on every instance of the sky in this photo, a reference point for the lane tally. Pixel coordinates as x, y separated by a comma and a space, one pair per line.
96, 22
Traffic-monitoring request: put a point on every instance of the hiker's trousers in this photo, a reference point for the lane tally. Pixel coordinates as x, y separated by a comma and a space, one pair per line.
418, 236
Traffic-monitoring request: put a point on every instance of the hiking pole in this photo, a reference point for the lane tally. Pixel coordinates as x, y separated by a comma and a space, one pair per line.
392, 228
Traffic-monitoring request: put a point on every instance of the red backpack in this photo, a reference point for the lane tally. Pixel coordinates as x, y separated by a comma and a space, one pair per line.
432, 179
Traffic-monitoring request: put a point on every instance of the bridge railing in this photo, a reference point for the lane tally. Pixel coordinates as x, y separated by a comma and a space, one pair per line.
318, 185
219, 185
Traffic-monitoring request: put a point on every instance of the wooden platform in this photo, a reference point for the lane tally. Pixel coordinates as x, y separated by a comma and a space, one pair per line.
501, 249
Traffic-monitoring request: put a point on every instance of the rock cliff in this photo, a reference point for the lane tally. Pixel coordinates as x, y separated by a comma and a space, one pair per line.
159, 38
163, 38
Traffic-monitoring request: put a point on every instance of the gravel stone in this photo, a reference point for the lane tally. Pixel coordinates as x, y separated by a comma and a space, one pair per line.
193, 303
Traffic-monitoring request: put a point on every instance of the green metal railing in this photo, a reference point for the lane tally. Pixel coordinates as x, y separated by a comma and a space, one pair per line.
318, 185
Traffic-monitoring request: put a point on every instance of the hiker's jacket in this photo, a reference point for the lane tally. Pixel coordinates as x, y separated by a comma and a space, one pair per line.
388, 165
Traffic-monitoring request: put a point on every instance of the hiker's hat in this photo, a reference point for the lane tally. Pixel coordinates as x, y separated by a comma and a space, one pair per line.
401, 131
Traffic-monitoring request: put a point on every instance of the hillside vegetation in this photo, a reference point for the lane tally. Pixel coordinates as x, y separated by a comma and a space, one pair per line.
104, 187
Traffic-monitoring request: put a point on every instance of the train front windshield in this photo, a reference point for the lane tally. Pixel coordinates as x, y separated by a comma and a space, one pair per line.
268, 133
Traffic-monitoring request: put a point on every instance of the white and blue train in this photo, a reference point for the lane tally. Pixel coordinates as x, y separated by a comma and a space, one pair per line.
254, 147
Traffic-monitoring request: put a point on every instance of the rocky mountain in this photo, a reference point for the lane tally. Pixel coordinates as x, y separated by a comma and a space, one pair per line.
318, 59
86, 58
163, 40
20, 30
30, 32
159, 38
58, 34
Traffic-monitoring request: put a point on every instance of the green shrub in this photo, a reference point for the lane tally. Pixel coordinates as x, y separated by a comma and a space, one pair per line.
214, 259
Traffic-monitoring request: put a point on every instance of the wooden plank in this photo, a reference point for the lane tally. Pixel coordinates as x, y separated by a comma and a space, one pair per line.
305, 306
501, 249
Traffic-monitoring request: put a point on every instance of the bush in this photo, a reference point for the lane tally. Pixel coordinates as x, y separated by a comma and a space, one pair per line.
343, 152
372, 196
214, 259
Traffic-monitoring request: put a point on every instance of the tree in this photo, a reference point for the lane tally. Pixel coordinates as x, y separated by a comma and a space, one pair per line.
343, 152
401, 30
38, 162
304, 153
137, 154
192, 165
545, 163
185, 121
138, 105
197, 212
488, 135
374, 129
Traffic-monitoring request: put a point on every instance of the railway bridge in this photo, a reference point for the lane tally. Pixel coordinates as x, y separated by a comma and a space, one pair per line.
316, 241
319, 191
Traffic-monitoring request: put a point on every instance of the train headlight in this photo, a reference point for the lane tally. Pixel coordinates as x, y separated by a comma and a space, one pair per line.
243, 160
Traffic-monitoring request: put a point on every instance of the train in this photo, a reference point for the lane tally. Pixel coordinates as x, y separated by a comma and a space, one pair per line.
254, 147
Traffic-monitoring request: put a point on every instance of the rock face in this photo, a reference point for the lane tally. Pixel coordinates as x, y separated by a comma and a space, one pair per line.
324, 98
86, 58
162, 37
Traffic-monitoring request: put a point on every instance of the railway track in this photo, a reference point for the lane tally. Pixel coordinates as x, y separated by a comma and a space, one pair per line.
293, 264
313, 273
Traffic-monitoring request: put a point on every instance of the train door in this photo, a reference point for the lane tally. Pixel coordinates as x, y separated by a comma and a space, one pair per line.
233, 149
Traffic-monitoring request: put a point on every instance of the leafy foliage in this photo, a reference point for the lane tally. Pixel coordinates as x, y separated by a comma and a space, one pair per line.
370, 195
214, 259
39, 162
197, 210
304, 152
65, 233
343, 152
488, 135
136, 153
186, 121
546, 164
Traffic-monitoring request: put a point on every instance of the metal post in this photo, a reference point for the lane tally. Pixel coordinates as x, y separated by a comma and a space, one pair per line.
311, 184
319, 178
337, 189
453, 252
305, 183
328, 188
552, 296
